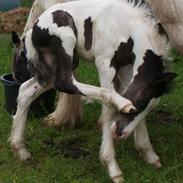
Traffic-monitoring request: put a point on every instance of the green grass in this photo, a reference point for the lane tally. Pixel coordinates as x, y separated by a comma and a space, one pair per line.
26, 3
53, 160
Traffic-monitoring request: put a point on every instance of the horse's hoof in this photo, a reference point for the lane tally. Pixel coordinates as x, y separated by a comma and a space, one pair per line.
49, 121
129, 109
24, 155
118, 179
157, 164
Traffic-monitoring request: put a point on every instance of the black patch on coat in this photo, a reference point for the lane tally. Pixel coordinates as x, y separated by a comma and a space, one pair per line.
75, 60
60, 70
88, 33
123, 56
62, 18
140, 2
150, 82
41, 39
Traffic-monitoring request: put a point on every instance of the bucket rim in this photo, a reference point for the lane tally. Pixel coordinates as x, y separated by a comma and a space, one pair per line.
8, 82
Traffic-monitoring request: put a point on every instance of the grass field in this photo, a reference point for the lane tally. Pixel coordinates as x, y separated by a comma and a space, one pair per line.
71, 155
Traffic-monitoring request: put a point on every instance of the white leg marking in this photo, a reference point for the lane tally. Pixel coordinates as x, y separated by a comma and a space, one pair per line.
106, 96
107, 152
143, 144
28, 92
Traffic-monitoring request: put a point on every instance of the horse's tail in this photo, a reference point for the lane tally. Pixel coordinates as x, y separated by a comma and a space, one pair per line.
68, 112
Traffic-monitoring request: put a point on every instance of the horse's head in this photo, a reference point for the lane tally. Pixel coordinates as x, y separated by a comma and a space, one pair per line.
148, 85
20, 70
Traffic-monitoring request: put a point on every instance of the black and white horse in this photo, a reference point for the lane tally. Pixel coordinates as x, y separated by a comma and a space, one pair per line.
62, 115
128, 51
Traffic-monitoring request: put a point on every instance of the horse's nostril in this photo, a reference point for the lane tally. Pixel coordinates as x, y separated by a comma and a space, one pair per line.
118, 132
118, 129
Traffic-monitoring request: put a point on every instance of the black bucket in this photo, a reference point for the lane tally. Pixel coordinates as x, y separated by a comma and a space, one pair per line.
44, 104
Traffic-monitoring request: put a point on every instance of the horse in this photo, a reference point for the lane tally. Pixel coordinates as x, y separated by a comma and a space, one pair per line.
170, 14
129, 55
172, 17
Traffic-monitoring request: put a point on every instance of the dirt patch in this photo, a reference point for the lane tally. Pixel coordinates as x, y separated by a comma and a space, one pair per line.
72, 148
164, 117
13, 20
74, 151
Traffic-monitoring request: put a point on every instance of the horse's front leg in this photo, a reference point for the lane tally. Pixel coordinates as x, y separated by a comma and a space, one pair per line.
107, 151
28, 92
143, 144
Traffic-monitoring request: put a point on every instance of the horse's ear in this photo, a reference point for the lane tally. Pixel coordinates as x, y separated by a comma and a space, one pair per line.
15, 39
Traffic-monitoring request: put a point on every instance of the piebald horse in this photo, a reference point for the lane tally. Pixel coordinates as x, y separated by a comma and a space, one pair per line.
129, 54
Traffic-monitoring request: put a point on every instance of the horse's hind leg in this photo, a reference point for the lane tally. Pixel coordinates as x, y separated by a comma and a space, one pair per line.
68, 112
28, 92
69, 108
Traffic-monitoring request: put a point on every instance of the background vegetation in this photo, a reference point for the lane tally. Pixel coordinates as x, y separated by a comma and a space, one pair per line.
71, 155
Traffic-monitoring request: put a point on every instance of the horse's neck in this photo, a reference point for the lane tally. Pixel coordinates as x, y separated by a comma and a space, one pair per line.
168, 11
